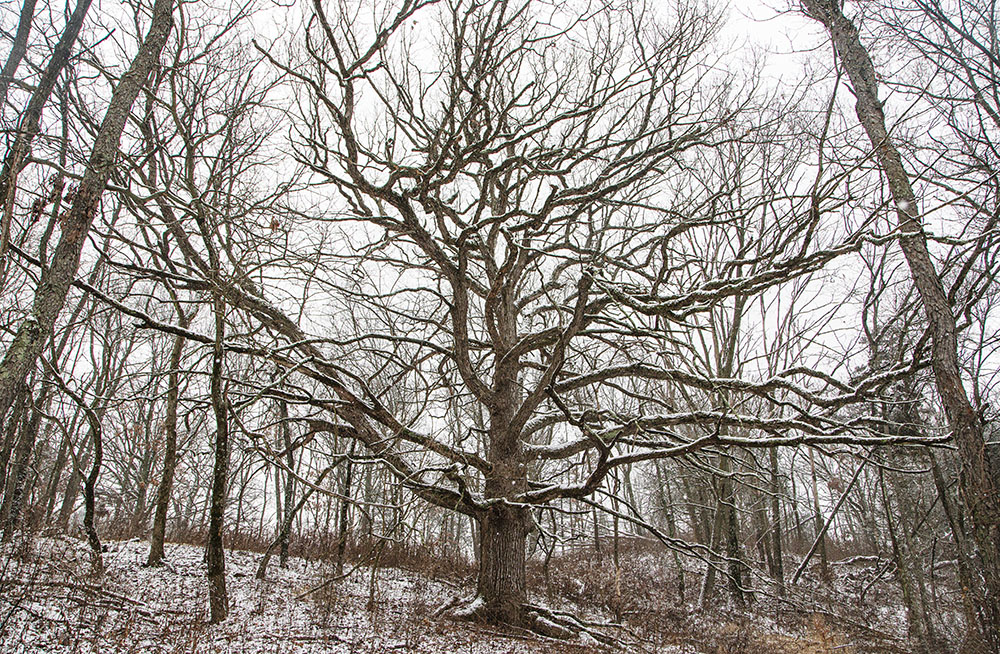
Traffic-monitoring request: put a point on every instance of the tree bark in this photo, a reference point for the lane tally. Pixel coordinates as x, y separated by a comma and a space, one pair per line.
29, 127
778, 570
53, 286
819, 543
23, 443
53, 486
961, 547
14, 501
289, 490
218, 599
343, 521
17, 50
89, 495
980, 474
501, 584
169, 449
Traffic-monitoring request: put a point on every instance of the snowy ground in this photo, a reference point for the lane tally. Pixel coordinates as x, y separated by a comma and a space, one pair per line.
49, 602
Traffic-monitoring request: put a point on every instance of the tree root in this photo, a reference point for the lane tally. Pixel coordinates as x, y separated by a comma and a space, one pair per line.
539, 620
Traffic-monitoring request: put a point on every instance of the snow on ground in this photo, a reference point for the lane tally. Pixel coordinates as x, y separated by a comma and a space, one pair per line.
50, 602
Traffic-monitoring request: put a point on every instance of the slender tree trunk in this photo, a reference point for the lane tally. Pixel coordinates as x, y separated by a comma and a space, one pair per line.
918, 622
166, 485
286, 434
27, 130
668, 510
715, 539
53, 486
218, 599
778, 571
980, 475
53, 286
820, 533
286, 524
137, 522
343, 521
73, 485
737, 581
17, 50
90, 492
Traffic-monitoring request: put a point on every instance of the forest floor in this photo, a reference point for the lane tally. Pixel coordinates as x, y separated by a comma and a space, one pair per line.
50, 601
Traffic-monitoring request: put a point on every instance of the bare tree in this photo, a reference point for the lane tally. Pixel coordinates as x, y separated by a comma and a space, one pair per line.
980, 472
34, 332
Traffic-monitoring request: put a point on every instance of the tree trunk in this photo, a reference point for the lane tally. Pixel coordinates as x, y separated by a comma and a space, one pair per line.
11, 433
53, 286
89, 495
27, 130
918, 622
53, 485
734, 553
820, 533
218, 599
286, 524
343, 521
980, 471
14, 502
961, 547
137, 522
286, 434
169, 450
73, 485
12, 452
17, 50
778, 571
501, 585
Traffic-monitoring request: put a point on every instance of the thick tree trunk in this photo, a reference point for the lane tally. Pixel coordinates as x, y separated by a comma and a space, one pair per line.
501, 585
53, 286
11, 453
14, 502
980, 475
9, 424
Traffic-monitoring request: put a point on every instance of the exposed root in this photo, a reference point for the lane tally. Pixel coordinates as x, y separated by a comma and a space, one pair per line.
562, 625
557, 625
